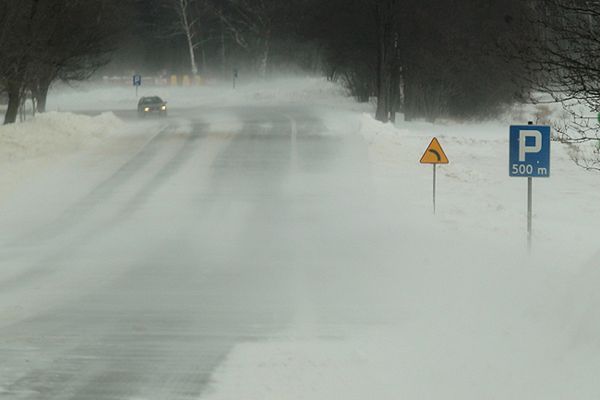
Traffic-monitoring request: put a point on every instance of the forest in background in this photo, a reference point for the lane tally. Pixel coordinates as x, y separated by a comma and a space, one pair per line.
426, 59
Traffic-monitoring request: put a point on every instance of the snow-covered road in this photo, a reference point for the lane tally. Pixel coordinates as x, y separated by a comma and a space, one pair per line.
192, 238
281, 245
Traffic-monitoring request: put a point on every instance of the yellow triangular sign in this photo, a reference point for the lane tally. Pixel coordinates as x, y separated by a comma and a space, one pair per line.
434, 154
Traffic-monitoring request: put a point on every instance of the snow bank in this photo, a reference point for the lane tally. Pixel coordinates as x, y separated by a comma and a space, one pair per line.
305, 369
457, 308
448, 306
475, 193
54, 132
29, 147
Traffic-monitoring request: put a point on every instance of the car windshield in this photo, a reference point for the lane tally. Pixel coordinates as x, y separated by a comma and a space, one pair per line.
151, 100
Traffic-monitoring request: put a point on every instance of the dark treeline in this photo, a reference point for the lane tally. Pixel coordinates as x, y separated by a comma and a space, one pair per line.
425, 58
42, 41
213, 37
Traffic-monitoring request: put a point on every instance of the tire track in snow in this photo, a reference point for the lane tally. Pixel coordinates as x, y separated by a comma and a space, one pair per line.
75, 214
95, 199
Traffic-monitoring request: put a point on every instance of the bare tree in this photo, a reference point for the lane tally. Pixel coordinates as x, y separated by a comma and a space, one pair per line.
79, 40
387, 15
50, 40
189, 15
426, 58
564, 64
18, 48
251, 24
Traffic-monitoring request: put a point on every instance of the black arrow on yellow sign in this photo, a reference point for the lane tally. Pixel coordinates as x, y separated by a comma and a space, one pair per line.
434, 155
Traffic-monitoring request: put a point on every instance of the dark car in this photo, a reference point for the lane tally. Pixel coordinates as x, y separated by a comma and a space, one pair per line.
152, 105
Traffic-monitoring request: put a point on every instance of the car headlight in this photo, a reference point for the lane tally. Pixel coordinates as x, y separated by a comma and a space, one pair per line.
147, 109
164, 108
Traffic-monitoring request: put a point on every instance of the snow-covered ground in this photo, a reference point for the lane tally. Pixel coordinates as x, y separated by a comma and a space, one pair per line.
475, 316
297, 90
32, 146
411, 305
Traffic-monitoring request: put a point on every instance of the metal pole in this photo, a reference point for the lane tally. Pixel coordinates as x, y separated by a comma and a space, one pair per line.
529, 211
136, 90
529, 207
434, 181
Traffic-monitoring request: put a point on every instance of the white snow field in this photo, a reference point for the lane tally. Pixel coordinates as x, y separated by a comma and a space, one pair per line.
275, 242
26, 148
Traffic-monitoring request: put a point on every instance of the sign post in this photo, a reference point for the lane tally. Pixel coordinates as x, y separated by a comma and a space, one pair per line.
529, 147
235, 76
434, 155
529, 211
137, 82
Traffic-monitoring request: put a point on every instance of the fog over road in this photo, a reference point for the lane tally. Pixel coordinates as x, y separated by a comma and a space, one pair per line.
149, 264
286, 249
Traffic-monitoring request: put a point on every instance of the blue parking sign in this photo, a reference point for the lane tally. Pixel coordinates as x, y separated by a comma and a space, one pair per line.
137, 80
529, 151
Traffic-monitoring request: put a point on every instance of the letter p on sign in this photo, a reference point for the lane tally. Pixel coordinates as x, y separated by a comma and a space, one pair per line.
529, 147
524, 148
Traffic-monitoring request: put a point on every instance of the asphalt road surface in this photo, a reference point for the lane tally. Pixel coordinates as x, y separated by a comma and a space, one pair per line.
132, 274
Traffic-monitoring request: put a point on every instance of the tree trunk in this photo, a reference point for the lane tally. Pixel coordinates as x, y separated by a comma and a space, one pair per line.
394, 102
14, 101
193, 65
41, 97
22, 109
223, 50
410, 92
384, 78
189, 35
15, 85
264, 61
382, 114
383, 81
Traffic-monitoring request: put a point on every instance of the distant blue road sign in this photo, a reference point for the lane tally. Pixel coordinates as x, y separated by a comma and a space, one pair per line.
529, 151
137, 80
